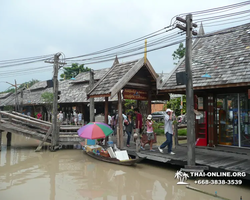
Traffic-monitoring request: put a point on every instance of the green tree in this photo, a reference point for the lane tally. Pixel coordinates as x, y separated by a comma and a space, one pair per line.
29, 83
47, 98
174, 104
129, 104
179, 53
23, 85
73, 71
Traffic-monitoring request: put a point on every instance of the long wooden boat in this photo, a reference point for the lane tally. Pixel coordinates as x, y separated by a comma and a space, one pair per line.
114, 160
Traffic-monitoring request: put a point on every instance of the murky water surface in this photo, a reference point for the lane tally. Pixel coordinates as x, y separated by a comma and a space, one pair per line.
71, 175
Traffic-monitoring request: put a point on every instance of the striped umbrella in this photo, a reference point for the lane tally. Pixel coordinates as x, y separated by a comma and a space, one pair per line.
95, 130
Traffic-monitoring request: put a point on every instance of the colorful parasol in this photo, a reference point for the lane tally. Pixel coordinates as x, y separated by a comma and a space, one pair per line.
95, 130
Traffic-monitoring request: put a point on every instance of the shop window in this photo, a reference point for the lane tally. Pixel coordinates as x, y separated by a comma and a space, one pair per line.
200, 103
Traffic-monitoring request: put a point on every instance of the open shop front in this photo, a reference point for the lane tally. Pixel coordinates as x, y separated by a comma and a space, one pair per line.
233, 119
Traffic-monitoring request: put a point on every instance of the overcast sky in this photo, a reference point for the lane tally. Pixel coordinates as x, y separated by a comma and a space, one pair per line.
75, 27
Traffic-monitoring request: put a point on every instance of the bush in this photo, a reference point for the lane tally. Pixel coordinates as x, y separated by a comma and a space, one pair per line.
182, 132
159, 131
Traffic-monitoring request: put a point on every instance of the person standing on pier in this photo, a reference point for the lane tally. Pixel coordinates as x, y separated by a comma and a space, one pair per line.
168, 130
129, 125
150, 133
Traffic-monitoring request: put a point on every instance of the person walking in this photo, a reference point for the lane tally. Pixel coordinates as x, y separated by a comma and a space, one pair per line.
138, 123
150, 133
129, 126
109, 120
76, 117
60, 117
80, 119
168, 130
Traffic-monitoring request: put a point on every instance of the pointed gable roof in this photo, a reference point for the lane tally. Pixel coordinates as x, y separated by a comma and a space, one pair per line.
201, 30
118, 76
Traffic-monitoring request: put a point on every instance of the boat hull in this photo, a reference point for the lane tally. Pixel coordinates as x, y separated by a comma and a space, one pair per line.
114, 160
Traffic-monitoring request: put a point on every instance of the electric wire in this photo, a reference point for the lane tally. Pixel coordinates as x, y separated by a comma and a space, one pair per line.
212, 10
23, 63
136, 48
221, 16
225, 20
201, 12
226, 23
121, 45
24, 59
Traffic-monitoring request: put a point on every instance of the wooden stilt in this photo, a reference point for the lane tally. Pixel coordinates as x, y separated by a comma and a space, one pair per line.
45, 138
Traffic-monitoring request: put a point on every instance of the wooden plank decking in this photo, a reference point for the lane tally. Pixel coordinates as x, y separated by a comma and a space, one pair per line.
217, 159
37, 129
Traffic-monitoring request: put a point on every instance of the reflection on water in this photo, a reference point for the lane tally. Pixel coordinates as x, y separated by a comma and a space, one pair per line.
70, 174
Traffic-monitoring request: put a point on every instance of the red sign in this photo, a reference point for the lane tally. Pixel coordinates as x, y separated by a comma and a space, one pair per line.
248, 93
135, 94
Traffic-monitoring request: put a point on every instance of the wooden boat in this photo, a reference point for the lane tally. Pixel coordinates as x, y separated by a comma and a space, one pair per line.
114, 160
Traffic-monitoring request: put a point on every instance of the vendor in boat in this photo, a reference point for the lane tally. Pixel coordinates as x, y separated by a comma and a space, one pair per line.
129, 126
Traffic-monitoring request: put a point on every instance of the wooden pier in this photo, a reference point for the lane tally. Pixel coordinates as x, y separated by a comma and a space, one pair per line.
18, 123
218, 159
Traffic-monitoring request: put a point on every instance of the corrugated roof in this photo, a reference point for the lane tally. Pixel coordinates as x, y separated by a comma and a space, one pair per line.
225, 57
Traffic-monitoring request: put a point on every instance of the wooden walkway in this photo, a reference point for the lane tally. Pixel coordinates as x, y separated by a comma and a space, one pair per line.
218, 159
38, 129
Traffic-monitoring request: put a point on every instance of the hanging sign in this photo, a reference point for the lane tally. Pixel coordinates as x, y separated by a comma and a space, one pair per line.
248, 93
135, 94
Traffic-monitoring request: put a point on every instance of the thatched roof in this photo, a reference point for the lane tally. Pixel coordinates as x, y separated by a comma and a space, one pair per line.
39, 85
225, 57
5, 95
70, 93
118, 76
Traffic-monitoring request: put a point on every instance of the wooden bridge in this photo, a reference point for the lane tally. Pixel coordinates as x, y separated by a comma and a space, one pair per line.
18, 123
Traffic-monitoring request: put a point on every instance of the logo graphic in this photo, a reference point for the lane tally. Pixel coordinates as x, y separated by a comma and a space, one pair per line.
182, 176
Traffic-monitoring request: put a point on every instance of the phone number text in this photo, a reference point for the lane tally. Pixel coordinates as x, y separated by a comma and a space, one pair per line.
218, 182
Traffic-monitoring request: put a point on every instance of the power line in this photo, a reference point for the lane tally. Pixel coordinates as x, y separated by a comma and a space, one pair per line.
122, 45
222, 16
226, 23
135, 48
212, 10
25, 59
216, 9
225, 20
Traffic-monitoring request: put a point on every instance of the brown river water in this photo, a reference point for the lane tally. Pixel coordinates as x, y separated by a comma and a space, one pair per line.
69, 174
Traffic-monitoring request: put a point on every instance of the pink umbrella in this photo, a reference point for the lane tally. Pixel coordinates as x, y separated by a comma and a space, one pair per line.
95, 130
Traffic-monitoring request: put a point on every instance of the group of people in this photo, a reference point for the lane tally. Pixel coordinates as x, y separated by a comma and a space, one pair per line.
77, 117
130, 126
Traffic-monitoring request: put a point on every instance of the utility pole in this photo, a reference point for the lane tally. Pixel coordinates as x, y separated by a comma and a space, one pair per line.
55, 130
16, 96
189, 88
91, 100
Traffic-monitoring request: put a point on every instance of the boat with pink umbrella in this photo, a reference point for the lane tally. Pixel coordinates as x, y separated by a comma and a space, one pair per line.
99, 130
